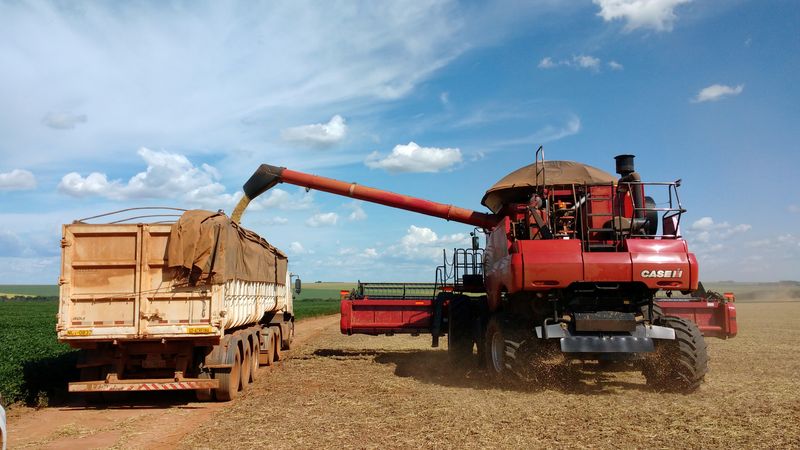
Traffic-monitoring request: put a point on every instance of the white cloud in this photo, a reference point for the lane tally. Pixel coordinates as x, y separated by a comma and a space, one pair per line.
323, 220
580, 62
793, 209
17, 180
548, 133
277, 198
318, 134
413, 158
547, 63
587, 62
297, 248
705, 230
370, 253
274, 221
717, 92
168, 175
424, 243
655, 14
444, 97
63, 120
357, 212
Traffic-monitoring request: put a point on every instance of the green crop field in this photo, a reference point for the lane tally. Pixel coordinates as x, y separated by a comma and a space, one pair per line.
33, 365
35, 290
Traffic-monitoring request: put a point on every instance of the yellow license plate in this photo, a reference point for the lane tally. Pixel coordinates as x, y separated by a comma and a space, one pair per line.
79, 332
199, 330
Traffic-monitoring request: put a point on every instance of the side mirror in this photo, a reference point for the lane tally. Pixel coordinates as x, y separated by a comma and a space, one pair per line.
476, 242
298, 286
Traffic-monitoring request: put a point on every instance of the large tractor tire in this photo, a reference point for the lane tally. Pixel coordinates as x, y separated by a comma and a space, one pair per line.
504, 353
679, 365
459, 329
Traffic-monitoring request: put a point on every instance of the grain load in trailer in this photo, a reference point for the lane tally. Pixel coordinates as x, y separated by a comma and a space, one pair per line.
198, 304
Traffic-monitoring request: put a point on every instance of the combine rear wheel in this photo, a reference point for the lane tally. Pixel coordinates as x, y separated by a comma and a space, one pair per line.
679, 365
459, 329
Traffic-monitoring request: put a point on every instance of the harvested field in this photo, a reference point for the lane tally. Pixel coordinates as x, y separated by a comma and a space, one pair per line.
391, 392
368, 392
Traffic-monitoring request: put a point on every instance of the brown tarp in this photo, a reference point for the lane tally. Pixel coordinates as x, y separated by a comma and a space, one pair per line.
208, 247
515, 187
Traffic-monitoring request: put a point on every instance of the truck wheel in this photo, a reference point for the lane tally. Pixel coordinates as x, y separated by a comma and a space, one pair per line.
203, 395
269, 355
679, 365
278, 344
287, 345
254, 351
247, 363
459, 329
229, 379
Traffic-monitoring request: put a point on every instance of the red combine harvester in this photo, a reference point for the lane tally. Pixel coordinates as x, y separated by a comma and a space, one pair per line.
571, 268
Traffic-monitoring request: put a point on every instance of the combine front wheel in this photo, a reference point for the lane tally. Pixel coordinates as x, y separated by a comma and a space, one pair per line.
679, 365
459, 329
502, 348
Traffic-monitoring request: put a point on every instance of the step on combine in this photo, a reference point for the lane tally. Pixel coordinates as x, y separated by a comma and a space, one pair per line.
577, 264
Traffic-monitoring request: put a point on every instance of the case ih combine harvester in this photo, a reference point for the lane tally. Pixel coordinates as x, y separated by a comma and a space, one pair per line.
573, 261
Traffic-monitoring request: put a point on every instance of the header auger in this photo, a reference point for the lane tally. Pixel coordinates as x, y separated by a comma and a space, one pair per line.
573, 261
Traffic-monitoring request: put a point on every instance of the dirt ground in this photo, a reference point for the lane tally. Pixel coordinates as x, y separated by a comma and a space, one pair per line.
393, 392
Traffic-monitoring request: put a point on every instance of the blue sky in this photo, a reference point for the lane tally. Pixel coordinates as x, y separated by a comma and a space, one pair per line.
107, 106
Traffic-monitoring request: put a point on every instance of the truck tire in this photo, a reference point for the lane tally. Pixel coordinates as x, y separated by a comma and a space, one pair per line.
247, 363
270, 353
229, 379
278, 354
254, 353
203, 395
459, 329
679, 365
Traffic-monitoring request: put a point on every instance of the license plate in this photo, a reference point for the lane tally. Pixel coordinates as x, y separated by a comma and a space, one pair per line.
199, 330
79, 332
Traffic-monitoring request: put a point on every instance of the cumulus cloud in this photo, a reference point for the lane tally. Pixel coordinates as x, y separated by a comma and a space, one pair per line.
168, 175
707, 230
422, 242
318, 134
277, 198
63, 120
17, 180
717, 92
357, 212
413, 158
655, 14
323, 220
584, 62
613, 65
297, 248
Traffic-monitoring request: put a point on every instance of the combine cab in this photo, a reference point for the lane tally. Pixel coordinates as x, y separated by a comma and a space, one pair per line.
573, 262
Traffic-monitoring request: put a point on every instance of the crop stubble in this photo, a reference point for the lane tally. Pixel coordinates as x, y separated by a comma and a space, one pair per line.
369, 392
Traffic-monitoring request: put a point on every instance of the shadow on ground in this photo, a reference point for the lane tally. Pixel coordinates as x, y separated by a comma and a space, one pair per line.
435, 367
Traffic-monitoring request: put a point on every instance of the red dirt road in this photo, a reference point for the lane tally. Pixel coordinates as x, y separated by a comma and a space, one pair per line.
155, 421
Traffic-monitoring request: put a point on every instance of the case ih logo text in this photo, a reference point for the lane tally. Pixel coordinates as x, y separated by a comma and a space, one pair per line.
662, 273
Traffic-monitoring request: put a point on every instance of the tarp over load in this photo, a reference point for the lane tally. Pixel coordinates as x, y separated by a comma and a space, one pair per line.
210, 248
516, 186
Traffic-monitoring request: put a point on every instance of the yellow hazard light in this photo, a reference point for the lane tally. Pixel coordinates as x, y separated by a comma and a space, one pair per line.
79, 332
199, 330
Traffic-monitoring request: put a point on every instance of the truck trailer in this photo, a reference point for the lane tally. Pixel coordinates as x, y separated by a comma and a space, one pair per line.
198, 304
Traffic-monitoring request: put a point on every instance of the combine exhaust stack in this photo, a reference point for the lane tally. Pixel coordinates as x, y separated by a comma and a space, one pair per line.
268, 176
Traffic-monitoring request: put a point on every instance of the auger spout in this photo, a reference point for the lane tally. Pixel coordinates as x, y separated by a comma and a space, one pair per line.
268, 176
